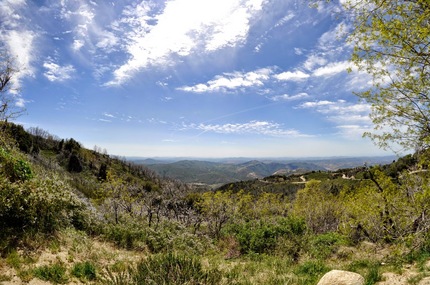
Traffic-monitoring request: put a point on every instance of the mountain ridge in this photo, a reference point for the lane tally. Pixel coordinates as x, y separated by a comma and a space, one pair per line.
216, 173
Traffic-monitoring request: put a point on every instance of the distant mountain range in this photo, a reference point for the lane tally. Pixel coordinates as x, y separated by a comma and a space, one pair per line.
220, 171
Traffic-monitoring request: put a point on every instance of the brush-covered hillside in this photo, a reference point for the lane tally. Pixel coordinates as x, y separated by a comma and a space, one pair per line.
218, 172
70, 215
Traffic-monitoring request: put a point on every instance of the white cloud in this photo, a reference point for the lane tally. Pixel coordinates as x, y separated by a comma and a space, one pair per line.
287, 97
20, 48
317, 104
55, 72
108, 115
298, 51
9, 12
252, 127
108, 41
20, 102
314, 60
353, 131
232, 81
285, 19
338, 108
350, 118
293, 76
332, 68
334, 39
81, 15
184, 27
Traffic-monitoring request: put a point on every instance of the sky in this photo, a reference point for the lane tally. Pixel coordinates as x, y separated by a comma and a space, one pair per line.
189, 78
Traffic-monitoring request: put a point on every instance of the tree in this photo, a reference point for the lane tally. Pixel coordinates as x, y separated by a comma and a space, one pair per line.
8, 109
391, 42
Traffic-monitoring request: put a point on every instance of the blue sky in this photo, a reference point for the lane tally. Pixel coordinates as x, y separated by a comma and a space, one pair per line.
198, 78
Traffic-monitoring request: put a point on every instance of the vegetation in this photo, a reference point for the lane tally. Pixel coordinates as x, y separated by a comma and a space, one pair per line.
268, 231
59, 199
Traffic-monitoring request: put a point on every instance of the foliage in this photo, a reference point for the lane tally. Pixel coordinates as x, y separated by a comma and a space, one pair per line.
37, 206
390, 40
322, 216
14, 166
367, 268
169, 268
322, 246
263, 236
222, 207
310, 271
56, 273
85, 271
383, 210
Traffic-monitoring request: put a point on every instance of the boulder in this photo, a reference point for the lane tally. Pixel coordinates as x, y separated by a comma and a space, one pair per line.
340, 277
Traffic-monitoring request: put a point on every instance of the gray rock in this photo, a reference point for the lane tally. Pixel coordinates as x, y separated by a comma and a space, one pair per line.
340, 277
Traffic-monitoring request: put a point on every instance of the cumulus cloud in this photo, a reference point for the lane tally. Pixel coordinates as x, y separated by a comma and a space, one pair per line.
55, 72
252, 127
182, 28
231, 81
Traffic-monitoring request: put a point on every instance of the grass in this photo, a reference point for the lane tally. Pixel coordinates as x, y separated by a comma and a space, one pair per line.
55, 273
369, 269
76, 256
84, 271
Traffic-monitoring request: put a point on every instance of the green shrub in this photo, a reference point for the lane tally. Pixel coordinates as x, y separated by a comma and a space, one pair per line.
126, 235
310, 271
55, 273
167, 268
84, 271
36, 207
262, 237
369, 269
14, 167
172, 269
323, 245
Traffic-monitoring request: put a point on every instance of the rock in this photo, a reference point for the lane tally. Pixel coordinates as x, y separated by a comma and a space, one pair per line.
339, 277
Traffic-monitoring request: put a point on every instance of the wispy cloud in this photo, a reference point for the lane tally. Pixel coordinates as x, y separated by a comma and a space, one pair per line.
109, 115
287, 97
81, 15
19, 45
353, 131
18, 39
313, 61
182, 28
285, 19
332, 68
350, 118
337, 108
292, 76
55, 72
252, 127
231, 81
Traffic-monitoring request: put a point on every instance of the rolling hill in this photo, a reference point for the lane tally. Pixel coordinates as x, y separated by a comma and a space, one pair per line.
216, 173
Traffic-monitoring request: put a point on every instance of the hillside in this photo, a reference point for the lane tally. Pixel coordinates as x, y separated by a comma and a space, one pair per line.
70, 215
216, 173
